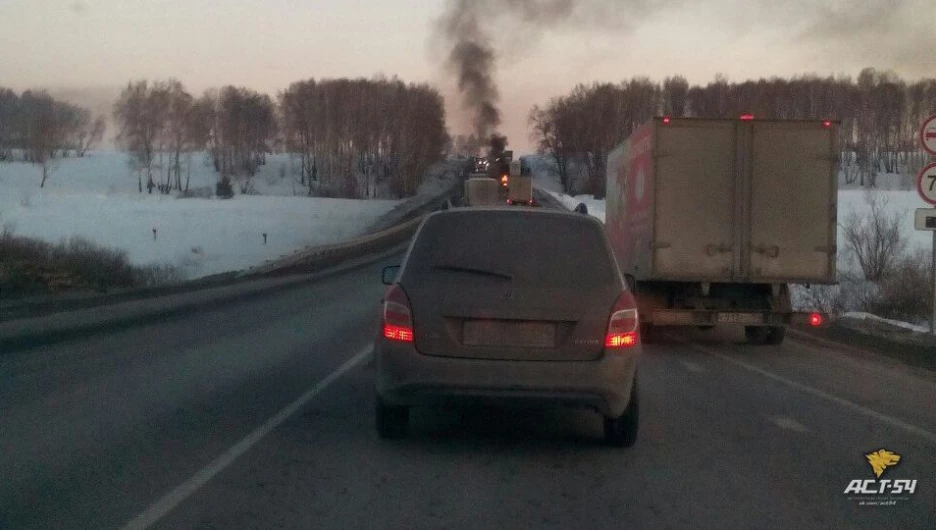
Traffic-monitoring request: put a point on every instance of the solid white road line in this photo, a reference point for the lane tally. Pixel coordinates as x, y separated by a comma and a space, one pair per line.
890, 420
788, 423
167, 503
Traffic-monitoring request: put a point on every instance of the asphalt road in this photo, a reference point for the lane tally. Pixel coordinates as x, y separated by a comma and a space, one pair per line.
260, 414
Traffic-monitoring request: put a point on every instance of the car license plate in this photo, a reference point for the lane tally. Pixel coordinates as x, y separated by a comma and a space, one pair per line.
740, 318
509, 333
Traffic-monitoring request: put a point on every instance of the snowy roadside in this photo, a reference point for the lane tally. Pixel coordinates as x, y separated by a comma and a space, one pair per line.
97, 199
858, 315
596, 207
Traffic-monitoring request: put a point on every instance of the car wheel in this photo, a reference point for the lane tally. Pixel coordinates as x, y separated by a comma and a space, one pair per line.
650, 334
392, 421
776, 334
756, 335
622, 431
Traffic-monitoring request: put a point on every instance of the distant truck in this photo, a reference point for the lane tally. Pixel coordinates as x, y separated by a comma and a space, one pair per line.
711, 220
482, 191
519, 186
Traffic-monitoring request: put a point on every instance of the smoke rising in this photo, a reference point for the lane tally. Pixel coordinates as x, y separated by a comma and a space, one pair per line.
497, 145
467, 28
895, 32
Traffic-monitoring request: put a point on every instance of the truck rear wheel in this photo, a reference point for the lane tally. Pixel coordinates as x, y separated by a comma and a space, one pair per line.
776, 334
765, 335
756, 335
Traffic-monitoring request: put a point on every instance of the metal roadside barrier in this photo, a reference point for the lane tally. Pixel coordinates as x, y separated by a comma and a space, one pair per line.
404, 221
317, 258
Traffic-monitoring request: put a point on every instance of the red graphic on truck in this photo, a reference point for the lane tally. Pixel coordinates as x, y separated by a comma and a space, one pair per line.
634, 191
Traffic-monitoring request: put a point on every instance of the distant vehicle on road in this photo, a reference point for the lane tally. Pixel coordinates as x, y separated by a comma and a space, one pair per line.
519, 186
482, 191
510, 306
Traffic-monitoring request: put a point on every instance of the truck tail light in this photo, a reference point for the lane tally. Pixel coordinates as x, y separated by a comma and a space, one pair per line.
815, 320
397, 317
623, 323
666, 120
747, 117
827, 124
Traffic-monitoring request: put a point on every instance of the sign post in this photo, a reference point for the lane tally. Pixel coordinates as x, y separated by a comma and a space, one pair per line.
926, 186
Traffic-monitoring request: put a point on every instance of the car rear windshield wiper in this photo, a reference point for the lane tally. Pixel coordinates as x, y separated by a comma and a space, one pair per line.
472, 270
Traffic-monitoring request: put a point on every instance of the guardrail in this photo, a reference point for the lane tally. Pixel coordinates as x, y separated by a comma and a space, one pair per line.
318, 258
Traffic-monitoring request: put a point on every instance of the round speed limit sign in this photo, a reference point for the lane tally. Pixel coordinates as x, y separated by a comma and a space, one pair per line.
926, 183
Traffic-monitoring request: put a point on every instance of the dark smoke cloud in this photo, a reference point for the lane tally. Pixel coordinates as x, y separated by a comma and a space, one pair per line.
497, 145
472, 61
895, 32
467, 28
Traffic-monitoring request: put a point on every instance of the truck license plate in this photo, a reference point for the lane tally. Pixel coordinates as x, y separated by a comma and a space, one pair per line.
740, 318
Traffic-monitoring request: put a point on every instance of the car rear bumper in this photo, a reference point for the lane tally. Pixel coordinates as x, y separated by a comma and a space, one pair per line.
406, 377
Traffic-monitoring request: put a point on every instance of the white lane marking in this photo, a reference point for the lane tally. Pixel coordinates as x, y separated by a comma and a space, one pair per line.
693, 367
167, 503
890, 420
788, 423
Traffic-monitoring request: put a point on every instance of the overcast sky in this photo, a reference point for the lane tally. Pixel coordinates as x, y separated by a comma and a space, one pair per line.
266, 44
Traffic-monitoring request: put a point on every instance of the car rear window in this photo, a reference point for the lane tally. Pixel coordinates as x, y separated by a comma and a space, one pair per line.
530, 248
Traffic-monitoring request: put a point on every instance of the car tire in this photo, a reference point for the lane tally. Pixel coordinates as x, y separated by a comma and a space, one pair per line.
622, 431
756, 335
650, 334
392, 421
776, 334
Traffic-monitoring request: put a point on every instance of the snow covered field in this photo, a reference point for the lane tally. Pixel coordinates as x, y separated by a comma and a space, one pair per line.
97, 198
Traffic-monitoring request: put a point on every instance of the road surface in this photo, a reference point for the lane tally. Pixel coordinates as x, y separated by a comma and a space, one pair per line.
260, 414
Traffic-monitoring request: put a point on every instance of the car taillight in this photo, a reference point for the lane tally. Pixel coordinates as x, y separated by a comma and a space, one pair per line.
623, 324
747, 117
397, 316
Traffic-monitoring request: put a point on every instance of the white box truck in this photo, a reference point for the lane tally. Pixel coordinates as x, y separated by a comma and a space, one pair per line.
711, 220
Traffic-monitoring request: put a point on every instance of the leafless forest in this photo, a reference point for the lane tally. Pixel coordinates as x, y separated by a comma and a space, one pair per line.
880, 114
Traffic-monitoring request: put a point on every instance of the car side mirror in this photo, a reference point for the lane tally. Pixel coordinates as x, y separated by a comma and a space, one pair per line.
389, 274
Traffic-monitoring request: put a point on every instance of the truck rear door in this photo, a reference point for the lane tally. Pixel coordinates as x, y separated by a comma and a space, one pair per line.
695, 198
792, 201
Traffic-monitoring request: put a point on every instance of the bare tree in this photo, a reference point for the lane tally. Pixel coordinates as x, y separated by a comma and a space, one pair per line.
351, 136
874, 239
9, 107
141, 113
177, 130
40, 129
